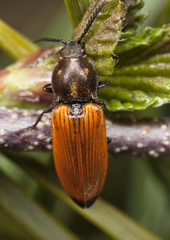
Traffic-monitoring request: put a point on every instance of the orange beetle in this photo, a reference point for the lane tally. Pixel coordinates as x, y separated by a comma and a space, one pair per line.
78, 123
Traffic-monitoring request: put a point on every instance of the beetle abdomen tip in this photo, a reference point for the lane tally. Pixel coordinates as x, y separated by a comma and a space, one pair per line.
86, 204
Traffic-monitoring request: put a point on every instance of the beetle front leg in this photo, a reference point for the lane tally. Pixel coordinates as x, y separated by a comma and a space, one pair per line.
46, 110
109, 140
47, 89
102, 84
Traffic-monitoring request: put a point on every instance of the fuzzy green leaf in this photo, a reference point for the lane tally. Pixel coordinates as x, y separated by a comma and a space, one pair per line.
103, 35
151, 42
133, 17
144, 84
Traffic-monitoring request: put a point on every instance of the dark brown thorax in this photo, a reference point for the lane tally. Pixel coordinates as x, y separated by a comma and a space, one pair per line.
74, 77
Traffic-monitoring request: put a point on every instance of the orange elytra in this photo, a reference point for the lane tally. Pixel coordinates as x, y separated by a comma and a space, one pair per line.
80, 151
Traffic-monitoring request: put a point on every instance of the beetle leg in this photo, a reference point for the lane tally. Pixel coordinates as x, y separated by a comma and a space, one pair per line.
46, 110
47, 89
109, 140
104, 106
102, 84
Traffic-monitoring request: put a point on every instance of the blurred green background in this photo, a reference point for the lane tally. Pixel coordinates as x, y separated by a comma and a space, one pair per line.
31, 209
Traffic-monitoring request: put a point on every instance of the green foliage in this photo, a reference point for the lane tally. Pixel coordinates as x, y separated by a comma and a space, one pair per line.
103, 35
154, 214
103, 215
31, 221
31, 204
137, 64
141, 77
141, 47
14, 43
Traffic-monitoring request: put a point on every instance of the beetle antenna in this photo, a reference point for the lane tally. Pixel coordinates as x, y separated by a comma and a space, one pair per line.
46, 39
91, 20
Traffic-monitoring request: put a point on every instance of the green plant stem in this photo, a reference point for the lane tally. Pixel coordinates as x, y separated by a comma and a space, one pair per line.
164, 16
14, 43
76, 10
